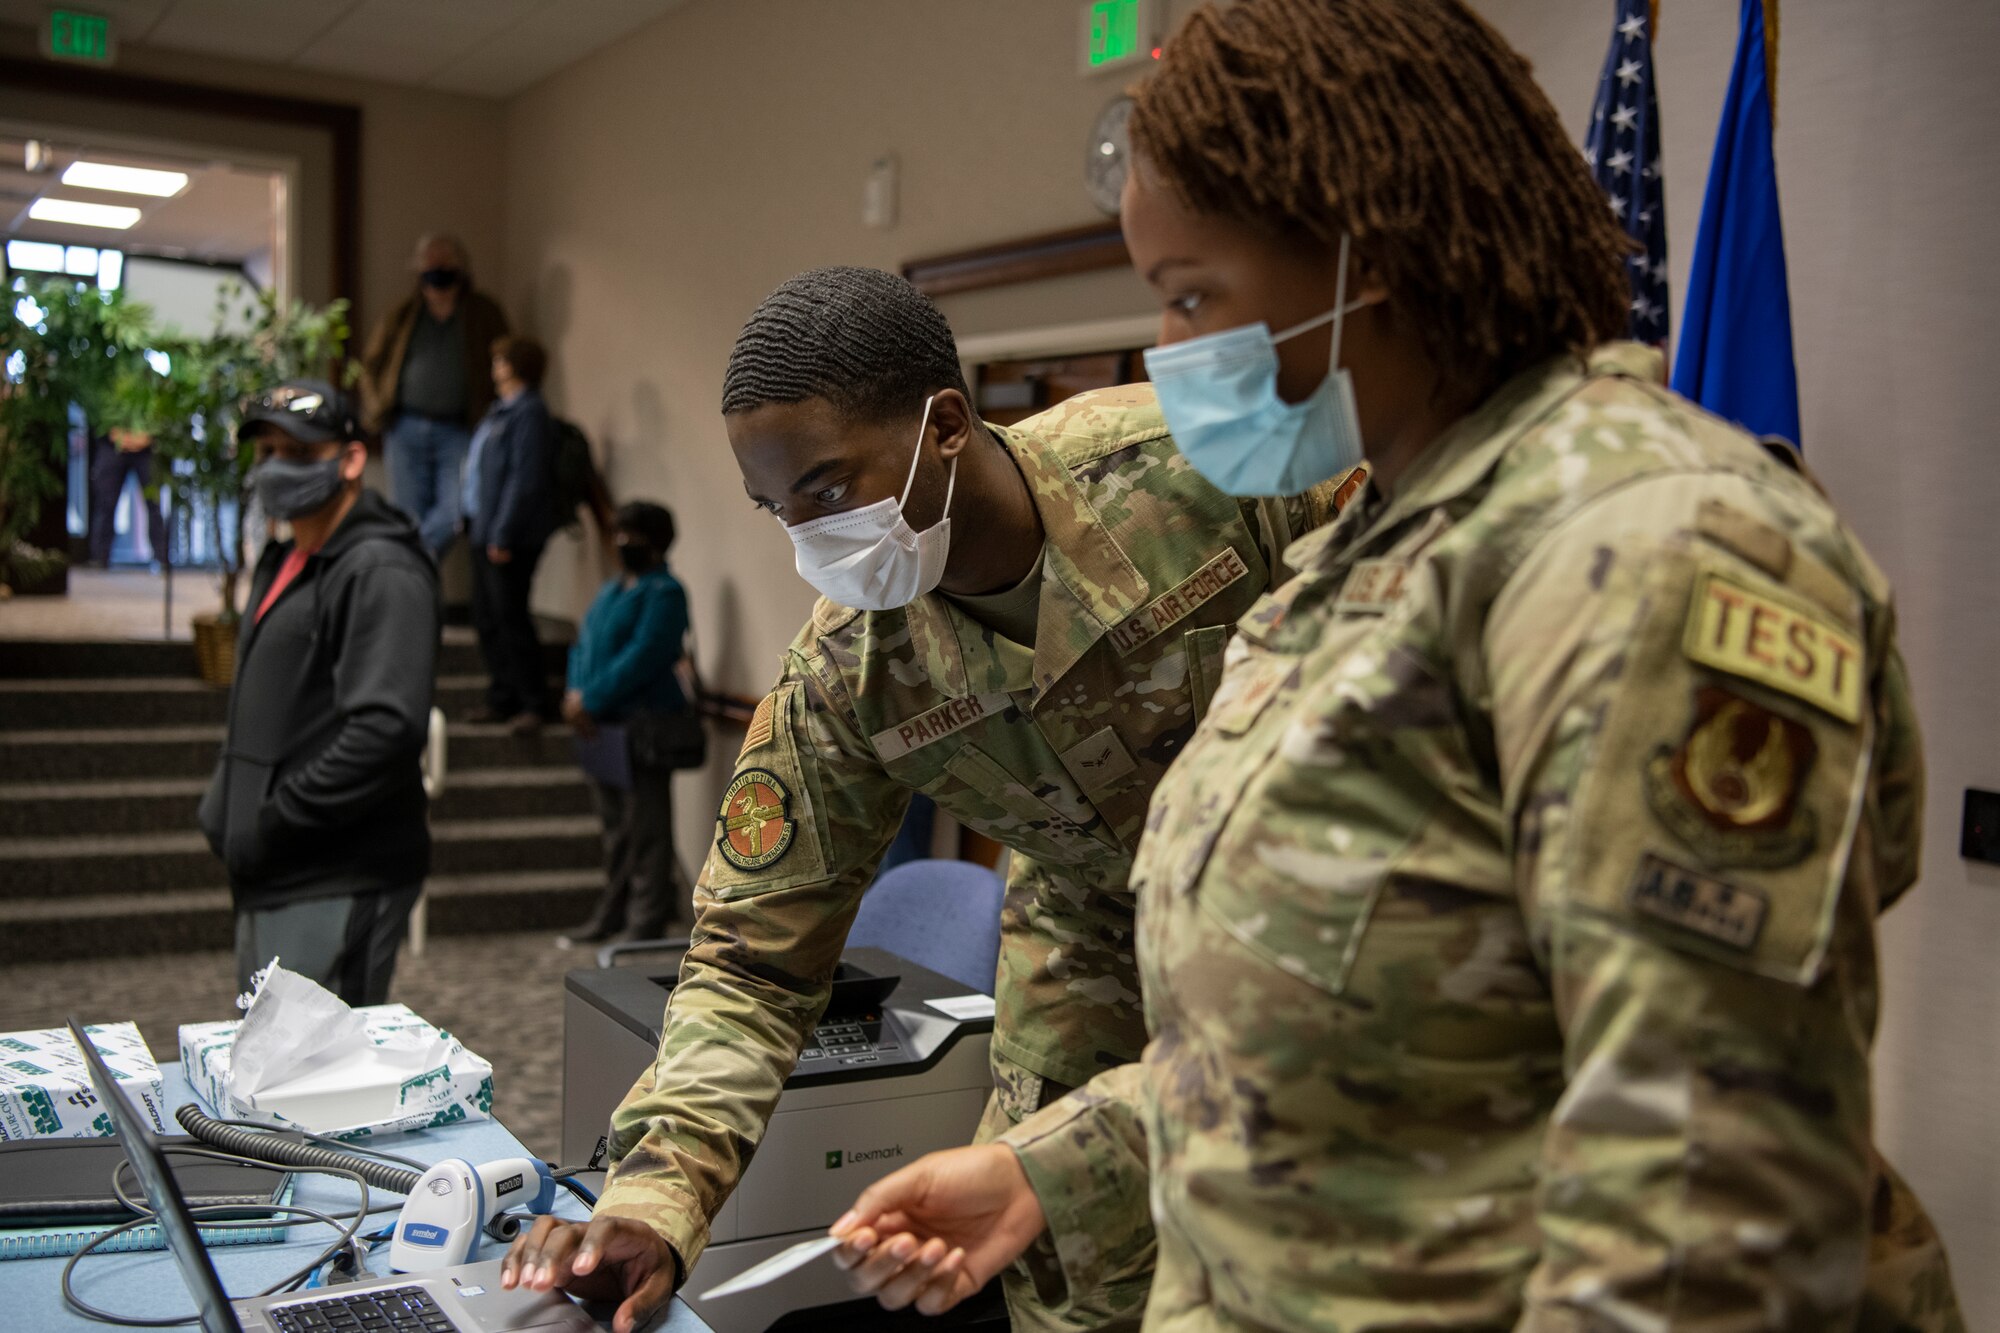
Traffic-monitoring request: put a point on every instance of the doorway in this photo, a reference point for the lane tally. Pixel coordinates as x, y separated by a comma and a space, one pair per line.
187, 236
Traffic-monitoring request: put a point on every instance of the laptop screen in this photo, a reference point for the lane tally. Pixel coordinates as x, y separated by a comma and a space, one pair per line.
150, 1165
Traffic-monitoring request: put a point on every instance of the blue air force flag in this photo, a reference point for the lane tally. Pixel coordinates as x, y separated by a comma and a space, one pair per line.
1735, 356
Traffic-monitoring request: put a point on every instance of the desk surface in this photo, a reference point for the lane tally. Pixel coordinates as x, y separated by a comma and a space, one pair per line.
147, 1283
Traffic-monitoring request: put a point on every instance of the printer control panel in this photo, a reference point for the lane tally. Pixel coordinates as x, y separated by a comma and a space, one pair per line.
863, 1039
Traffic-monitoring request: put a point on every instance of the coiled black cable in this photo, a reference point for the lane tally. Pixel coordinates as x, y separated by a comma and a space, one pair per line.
282, 1148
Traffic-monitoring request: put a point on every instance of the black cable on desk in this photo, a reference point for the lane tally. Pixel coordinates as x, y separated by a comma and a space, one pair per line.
348, 1230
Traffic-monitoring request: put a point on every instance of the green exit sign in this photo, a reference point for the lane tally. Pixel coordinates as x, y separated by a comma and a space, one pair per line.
70, 35
1116, 33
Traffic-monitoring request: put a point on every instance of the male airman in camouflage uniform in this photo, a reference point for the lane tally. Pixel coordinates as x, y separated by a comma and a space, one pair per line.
1508, 928
1051, 748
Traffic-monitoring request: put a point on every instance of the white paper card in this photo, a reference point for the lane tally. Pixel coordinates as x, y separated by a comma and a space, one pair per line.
964, 1006
775, 1267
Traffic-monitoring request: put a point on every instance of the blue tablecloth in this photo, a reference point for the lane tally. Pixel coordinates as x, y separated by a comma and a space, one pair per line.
147, 1283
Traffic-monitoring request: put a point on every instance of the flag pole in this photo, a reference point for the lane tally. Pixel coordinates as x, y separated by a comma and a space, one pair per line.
1770, 55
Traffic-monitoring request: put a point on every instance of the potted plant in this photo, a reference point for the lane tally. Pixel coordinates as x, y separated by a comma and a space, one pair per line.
193, 405
62, 342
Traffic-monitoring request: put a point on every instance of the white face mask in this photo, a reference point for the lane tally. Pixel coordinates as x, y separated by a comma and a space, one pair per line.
870, 559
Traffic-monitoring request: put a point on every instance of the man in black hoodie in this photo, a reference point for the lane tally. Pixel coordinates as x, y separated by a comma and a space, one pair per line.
317, 805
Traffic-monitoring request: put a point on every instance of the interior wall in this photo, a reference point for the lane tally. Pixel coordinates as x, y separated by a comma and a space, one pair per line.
1889, 182
429, 160
658, 190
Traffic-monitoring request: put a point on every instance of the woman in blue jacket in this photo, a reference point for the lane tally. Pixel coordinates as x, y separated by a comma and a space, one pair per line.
624, 665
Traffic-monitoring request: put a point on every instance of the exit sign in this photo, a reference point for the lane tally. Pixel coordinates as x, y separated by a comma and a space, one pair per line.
70, 35
1117, 33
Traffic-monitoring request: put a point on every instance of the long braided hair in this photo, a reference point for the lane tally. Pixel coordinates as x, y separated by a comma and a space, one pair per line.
866, 341
1413, 126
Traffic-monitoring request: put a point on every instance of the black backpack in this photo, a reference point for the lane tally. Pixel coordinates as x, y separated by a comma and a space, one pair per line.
575, 472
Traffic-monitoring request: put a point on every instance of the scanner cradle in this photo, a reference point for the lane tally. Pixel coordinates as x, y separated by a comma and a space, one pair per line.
882, 1080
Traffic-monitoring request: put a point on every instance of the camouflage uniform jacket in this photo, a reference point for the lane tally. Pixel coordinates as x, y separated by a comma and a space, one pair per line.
1052, 751
1508, 928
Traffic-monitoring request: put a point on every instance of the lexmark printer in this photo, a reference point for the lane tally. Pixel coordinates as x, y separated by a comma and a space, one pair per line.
884, 1079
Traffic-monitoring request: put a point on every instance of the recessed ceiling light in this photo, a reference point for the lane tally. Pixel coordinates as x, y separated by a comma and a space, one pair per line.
125, 180
83, 215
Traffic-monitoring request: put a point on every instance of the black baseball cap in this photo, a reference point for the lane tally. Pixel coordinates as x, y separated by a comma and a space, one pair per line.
310, 411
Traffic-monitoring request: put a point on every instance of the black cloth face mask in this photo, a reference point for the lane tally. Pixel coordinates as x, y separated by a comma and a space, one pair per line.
442, 279
296, 490
636, 558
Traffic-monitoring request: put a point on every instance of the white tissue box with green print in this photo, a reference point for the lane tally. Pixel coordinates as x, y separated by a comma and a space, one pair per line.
394, 1073
45, 1090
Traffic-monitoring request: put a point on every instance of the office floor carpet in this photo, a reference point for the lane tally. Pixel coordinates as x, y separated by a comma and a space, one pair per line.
499, 994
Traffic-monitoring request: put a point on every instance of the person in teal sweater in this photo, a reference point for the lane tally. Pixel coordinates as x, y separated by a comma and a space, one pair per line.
625, 663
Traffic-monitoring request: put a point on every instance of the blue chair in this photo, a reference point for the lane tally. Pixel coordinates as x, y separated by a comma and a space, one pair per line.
943, 915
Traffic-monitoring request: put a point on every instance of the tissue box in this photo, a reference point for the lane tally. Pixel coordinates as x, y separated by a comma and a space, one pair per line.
459, 1088
45, 1090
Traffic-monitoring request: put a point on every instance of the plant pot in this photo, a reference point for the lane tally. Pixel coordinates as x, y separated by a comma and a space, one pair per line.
215, 649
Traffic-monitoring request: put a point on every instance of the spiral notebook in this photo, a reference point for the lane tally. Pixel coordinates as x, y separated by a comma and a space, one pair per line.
58, 1241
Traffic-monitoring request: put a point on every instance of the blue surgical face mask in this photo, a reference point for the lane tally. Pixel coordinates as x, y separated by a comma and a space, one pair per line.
1219, 394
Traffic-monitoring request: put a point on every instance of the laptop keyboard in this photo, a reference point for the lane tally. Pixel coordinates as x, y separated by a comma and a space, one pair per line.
379, 1310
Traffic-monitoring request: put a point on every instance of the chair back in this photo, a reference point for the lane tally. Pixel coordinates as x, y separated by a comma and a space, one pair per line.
943, 915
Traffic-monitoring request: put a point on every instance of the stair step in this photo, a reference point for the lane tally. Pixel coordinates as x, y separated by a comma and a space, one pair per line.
152, 863
167, 805
76, 754
149, 701
192, 920
27, 658
133, 657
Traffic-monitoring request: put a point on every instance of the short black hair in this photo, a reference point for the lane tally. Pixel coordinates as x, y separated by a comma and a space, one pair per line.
864, 340
528, 359
654, 522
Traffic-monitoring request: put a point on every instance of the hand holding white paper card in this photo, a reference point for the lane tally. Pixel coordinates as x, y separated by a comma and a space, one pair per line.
775, 1267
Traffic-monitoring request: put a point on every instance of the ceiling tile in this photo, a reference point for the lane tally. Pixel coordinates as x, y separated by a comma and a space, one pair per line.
558, 33
246, 29
407, 41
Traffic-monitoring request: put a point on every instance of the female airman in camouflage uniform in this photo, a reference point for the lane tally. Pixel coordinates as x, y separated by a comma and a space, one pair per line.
1507, 930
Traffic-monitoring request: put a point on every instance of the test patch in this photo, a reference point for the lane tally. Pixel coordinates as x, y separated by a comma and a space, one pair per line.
1178, 602
1775, 643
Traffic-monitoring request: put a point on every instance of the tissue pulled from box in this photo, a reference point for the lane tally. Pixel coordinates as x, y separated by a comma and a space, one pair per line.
302, 1057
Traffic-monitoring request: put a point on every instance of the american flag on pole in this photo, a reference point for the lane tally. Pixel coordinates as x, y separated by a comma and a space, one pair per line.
1623, 149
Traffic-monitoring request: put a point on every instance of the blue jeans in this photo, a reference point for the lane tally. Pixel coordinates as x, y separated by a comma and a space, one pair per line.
426, 464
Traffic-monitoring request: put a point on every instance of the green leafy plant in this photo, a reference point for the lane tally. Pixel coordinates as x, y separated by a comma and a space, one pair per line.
62, 342
193, 404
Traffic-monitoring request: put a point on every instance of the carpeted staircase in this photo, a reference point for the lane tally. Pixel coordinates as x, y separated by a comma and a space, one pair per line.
105, 749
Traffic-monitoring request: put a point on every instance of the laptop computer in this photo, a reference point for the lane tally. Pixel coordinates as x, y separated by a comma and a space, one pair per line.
465, 1299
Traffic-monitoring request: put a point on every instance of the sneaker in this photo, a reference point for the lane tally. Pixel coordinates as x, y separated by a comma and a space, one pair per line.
525, 724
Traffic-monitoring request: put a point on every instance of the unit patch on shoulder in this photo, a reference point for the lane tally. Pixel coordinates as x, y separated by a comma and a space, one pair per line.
755, 822
1730, 914
1776, 643
1730, 789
